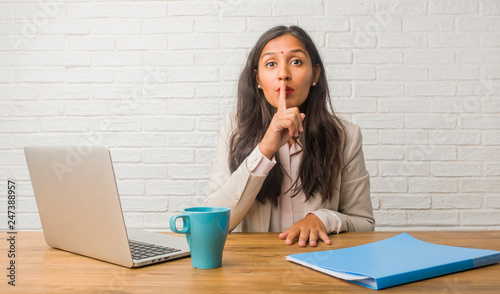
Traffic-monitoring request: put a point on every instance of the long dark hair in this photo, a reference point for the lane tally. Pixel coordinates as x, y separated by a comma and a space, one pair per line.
323, 137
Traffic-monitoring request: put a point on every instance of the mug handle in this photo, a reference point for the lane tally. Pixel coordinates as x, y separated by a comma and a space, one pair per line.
185, 224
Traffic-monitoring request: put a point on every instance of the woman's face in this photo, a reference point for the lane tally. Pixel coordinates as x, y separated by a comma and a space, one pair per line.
285, 58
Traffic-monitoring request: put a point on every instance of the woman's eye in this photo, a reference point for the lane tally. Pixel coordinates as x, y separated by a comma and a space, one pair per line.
296, 62
270, 64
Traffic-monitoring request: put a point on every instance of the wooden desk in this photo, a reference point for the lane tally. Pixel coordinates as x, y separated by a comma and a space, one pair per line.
252, 263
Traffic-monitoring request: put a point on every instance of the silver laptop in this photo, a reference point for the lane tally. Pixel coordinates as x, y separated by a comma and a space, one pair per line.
80, 210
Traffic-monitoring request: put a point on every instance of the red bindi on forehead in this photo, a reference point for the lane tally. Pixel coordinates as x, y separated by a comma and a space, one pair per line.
281, 52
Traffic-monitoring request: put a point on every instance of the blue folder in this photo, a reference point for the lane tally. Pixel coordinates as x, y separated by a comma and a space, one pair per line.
394, 261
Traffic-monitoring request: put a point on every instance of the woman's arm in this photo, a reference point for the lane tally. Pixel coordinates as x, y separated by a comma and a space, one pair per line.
237, 190
355, 206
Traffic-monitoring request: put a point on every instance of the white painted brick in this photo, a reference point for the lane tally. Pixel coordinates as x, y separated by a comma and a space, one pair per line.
209, 123
349, 8
140, 171
430, 153
425, 56
378, 56
482, 88
64, 124
140, 10
125, 124
6, 75
403, 106
339, 89
428, 23
477, 185
192, 41
89, 108
478, 23
172, 25
333, 56
193, 74
405, 202
453, 73
405, 73
456, 105
262, 24
218, 57
18, 91
480, 121
134, 220
89, 10
406, 40
372, 169
28, 221
229, 73
403, 137
150, 139
385, 121
433, 218
12, 157
329, 24
169, 187
453, 7
6, 11
115, 26
37, 108
432, 89
140, 74
259, 8
350, 105
455, 169
430, 185
19, 58
493, 169
453, 201
55, 74
423, 121
492, 201
84, 43
299, 8
37, 42
477, 153
351, 40
490, 7
376, 25
130, 187
144, 204
401, 168
65, 58
205, 155
213, 24
141, 42
477, 56
92, 75
5, 109
453, 40
64, 92
179, 203
192, 139
168, 155
403, 7
491, 137
342, 72
234, 41
116, 58
168, 58
194, 107
192, 8
391, 217
490, 39
170, 90
56, 27
389, 184
158, 220
189, 171
377, 89
126, 155
487, 218
153, 107
383, 153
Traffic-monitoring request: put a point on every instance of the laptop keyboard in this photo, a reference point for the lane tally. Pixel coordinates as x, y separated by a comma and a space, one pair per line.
142, 250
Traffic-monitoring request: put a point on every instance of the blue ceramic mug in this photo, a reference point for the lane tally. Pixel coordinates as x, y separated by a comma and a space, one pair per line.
206, 229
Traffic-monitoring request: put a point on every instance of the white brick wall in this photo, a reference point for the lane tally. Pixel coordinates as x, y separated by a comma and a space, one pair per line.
153, 79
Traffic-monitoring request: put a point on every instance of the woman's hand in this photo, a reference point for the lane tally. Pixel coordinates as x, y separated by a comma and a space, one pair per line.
286, 124
310, 227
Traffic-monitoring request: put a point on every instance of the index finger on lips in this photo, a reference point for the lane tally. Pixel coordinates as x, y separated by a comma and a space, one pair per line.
282, 98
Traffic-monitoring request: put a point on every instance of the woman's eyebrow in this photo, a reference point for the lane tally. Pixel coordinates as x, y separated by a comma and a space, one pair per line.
291, 51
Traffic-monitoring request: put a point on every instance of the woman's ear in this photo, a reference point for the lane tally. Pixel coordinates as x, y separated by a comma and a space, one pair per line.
316, 74
255, 73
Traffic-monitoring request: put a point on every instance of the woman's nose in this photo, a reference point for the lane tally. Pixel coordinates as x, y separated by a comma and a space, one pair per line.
284, 73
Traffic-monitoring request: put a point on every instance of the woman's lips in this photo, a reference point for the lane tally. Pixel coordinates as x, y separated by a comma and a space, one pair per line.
288, 90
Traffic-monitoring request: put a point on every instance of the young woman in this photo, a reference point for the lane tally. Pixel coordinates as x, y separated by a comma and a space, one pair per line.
285, 162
